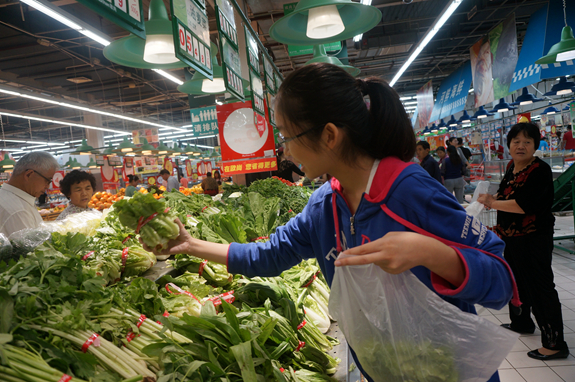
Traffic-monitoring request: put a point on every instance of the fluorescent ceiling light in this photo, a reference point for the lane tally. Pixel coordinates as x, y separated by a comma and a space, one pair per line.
169, 76
405, 98
439, 23
471, 90
410, 103
183, 127
59, 122
95, 37
90, 110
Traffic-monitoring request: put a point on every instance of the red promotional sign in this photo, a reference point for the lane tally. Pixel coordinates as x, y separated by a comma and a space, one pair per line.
249, 166
243, 133
58, 176
189, 169
525, 117
169, 165
128, 168
110, 177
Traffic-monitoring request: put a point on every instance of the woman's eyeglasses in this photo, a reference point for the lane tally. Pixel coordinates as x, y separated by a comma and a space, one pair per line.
283, 140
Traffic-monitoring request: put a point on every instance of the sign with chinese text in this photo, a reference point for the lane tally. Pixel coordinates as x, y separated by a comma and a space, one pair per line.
151, 136
168, 165
243, 133
271, 115
269, 75
298, 50
255, 75
452, 94
204, 121
191, 32
249, 166
56, 179
127, 14
231, 63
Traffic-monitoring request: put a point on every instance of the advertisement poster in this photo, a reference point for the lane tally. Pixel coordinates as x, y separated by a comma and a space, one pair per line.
244, 133
109, 177
425, 103
204, 121
503, 41
249, 166
128, 168
481, 69
168, 165
58, 176
189, 170
525, 117
150, 134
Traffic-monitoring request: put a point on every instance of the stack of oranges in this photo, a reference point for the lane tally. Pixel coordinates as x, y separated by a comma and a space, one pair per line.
103, 200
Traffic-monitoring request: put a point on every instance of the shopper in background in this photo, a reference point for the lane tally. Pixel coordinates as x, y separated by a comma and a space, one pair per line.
543, 145
525, 223
326, 124
171, 182
466, 152
452, 168
568, 142
133, 181
78, 186
440, 151
218, 177
455, 143
426, 161
210, 185
32, 176
286, 168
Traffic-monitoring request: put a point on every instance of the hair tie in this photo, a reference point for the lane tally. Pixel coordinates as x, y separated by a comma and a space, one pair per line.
364, 89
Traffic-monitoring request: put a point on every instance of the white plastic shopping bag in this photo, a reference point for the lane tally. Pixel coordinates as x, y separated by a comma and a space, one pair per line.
475, 208
401, 331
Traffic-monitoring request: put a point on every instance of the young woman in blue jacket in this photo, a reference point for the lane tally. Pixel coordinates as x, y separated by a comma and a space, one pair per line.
377, 206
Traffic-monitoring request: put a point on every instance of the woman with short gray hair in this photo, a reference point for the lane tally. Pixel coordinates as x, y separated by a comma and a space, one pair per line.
31, 177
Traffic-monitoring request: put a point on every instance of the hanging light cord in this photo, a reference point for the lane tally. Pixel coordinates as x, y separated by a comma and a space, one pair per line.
3, 137
565, 12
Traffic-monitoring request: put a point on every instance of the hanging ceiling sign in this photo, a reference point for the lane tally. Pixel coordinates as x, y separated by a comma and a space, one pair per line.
127, 14
425, 103
503, 41
453, 93
298, 50
527, 72
555, 24
481, 67
229, 48
151, 136
243, 133
191, 32
255, 76
278, 79
269, 75
204, 121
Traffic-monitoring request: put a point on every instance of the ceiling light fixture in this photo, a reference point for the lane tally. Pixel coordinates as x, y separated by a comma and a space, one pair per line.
169, 76
525, 98
564, 50
434, 29
561, 88
320, 56
502, 106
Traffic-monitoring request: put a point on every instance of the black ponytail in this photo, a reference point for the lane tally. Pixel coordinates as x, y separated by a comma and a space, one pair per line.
367, 110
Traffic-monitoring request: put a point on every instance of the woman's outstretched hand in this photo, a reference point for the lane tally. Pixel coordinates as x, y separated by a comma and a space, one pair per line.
486, 199
182, 244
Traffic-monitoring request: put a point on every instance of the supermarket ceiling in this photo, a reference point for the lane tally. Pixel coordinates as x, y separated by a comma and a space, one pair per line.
42, 55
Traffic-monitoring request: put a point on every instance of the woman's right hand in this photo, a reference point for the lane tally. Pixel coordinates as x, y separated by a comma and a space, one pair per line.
182, 244
486, 199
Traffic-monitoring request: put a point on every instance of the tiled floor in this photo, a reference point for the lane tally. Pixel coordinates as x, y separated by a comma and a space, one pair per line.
518, 367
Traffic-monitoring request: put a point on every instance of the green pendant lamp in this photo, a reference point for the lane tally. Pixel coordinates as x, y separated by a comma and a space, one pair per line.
156, 52
177, 151
197, 152
92, 163
73, 164
214, 155
146, 148
125, 147
83, 149
200, 84
109, 151
564, 50
320, 56
324, 21
163, 149
190, 150
7, 164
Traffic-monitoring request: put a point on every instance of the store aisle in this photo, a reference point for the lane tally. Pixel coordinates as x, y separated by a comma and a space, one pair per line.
518, 367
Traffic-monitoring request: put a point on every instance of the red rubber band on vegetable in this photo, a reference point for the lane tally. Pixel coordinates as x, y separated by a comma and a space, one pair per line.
311, 281
65, 378
301, 325
290, 211
203, 209
166, 314
89, 342
131, 336
180, 290
126, 239
282, 369
141, 320
87, 255
228, 297
142, 222
124, 259
300, 346
202, 265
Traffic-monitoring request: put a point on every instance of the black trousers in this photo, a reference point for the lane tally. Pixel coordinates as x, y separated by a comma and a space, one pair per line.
530, 259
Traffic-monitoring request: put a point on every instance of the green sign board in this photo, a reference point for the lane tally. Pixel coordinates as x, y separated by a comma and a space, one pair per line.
299, 50
269, 75
127, 14
192, 35
229, 48
255, 75
204, 121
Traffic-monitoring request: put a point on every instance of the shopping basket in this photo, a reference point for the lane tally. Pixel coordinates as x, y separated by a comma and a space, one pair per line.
488, 218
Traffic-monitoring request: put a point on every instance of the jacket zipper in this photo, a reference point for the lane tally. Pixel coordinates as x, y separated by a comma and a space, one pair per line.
352, 227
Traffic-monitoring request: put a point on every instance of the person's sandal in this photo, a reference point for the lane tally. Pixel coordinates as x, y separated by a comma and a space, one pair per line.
542, 357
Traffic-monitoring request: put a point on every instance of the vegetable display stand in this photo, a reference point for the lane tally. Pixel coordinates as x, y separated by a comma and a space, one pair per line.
51, 217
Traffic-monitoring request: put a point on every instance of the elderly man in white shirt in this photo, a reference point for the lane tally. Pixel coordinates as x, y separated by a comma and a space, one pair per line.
31, 177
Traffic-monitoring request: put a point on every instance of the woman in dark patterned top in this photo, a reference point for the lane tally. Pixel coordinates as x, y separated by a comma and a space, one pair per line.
525, 223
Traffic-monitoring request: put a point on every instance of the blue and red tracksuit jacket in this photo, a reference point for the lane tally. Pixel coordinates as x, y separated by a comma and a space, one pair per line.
401, 198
